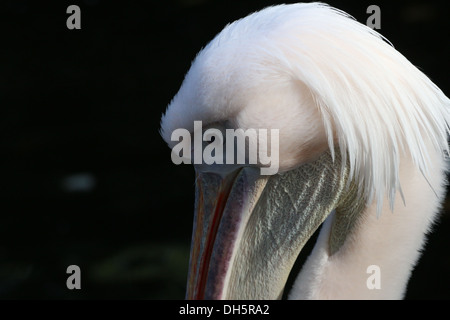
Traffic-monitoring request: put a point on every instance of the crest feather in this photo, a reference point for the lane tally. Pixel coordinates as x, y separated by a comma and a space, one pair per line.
379, 105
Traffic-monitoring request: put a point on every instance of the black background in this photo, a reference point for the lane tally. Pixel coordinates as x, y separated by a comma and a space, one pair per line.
87, 103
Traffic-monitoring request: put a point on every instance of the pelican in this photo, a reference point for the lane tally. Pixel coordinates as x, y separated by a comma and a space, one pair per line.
362, 154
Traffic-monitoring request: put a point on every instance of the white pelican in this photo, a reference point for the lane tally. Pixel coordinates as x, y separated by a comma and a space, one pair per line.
363, 139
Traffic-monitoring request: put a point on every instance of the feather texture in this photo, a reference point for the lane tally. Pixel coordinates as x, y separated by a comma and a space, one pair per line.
363, 95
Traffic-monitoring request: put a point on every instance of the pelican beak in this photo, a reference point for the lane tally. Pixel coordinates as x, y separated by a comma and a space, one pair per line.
249, 229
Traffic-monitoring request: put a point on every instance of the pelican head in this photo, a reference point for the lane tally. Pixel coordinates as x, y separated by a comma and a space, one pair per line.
361, 138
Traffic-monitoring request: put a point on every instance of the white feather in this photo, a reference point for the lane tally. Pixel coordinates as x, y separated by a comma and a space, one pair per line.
289, 65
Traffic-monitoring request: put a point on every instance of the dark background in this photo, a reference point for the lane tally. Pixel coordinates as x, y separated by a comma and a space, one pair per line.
86, 178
